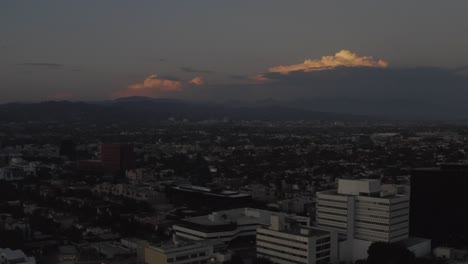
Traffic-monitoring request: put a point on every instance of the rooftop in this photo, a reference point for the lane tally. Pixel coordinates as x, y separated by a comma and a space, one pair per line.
241, 216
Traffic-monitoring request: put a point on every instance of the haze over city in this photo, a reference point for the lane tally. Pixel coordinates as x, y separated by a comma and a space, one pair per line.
233, 132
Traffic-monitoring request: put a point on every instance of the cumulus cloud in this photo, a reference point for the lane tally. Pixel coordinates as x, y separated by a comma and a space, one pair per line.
197, 81
154, 82
343, 58
155, 85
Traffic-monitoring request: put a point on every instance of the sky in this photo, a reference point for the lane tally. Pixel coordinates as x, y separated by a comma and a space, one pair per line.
242, 50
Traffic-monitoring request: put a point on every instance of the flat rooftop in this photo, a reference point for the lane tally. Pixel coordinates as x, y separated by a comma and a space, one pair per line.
241, 216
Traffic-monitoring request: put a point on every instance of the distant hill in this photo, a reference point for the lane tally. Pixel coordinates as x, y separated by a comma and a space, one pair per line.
144, 109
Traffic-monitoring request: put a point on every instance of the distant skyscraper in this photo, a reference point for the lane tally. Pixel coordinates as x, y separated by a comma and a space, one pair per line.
117, 158
439, 207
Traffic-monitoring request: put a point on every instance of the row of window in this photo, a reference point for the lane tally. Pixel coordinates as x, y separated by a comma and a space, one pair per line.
369, 202
279, 237
272, 258
322, 248
332, 219
280, 244
331, 200
282, 252
321, 210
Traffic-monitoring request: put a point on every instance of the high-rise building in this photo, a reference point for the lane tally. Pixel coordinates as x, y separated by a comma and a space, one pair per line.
438, 204
117, 158
363, 212
363, 209
286, 242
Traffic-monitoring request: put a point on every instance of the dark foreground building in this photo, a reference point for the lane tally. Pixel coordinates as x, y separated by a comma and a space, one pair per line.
439, 204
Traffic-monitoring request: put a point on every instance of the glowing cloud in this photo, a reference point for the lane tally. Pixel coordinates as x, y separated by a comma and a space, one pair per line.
153, 85
156, 83
197, 81
344, 58
261, 78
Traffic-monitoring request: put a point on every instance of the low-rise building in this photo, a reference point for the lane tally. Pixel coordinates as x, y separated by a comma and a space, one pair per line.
285, 241
9, 256
227, 225
183, 252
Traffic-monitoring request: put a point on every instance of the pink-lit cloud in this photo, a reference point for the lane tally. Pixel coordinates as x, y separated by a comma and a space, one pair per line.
154, 86
154, 82
343, 58
197, 81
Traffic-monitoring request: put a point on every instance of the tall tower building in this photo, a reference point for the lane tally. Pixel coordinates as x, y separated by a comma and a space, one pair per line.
117, 158
438, 204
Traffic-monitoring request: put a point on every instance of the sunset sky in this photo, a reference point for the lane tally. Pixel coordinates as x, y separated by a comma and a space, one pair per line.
221, 50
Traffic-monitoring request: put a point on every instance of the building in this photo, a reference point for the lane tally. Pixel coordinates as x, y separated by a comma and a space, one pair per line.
363, 212
138, 193
67, 255
90, 166
215, 199
12, 173
363, 209
225, 226
9, 256
68, 149
438, 209
183, 252
285, 241
118, 158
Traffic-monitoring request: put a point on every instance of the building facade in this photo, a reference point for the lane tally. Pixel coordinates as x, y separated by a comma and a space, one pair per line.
285, 242
362, 209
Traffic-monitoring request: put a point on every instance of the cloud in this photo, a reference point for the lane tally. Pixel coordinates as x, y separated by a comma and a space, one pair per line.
261, 78
153, 82
192, 70
155, 85
41, 64
343, 58
197, 81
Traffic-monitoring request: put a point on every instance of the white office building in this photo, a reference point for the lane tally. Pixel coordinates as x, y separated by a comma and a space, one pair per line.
363, 209
363, 212
284, 241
